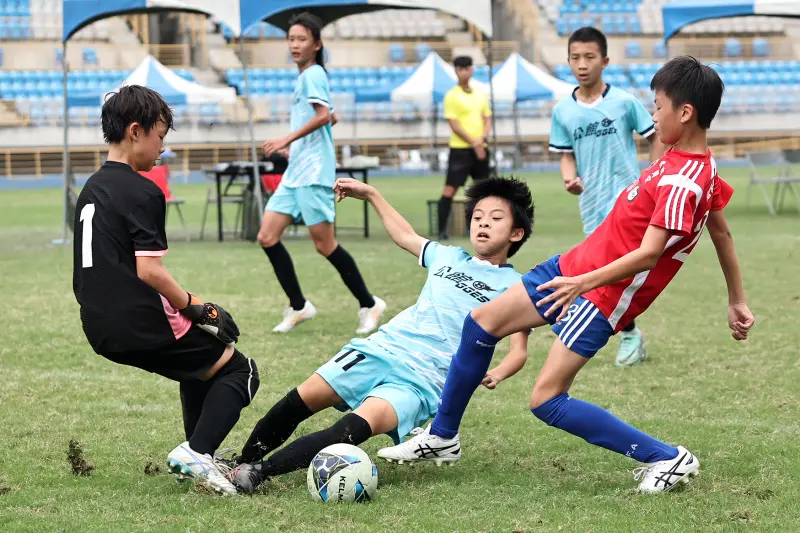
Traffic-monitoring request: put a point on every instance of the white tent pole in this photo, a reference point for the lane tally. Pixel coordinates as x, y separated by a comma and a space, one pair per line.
490, 54
253, 149
517, 140
65, 155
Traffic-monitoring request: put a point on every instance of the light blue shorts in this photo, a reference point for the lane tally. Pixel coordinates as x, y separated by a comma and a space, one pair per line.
356, 375
311, 204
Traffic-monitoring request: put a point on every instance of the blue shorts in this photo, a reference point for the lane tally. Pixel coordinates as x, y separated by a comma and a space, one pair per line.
585, 330
356, 376
313, 204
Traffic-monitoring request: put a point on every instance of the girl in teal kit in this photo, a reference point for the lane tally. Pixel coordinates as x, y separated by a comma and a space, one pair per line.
306, 189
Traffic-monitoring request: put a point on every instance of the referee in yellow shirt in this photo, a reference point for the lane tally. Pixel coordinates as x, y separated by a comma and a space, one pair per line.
468, 112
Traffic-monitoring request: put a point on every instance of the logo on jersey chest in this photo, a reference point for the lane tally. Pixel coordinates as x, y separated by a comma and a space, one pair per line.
595, 129
633, 192
468, 284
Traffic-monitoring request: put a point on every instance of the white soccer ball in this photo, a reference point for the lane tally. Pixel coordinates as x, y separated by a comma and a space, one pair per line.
342, 473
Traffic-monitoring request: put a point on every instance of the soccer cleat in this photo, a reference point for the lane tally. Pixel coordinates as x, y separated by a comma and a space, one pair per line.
663, 476
424, 447
245, 477
186, 463
292, 318
631, 348
370, 317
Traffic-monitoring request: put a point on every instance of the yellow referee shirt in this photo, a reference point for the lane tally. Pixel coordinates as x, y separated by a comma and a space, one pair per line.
468, 108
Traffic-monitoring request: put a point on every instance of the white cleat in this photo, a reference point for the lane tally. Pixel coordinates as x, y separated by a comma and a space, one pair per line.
186, 463
292, 318
663, 476
424, 447
370, 317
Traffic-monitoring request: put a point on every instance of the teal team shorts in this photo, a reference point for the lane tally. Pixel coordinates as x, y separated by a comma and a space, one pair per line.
311, 204
369, 371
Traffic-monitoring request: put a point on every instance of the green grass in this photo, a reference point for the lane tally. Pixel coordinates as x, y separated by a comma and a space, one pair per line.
735, 405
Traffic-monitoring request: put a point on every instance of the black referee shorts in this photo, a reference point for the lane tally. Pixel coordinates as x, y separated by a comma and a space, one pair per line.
186, 359
464, 162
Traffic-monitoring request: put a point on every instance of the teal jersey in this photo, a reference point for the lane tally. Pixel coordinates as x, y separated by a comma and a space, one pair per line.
424, 337
312, 159
601, 137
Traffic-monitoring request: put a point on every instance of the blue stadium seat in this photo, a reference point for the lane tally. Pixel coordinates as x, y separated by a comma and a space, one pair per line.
89, 56
760, 47
397, 53
659, 49
421, 51
733, 48
633, 50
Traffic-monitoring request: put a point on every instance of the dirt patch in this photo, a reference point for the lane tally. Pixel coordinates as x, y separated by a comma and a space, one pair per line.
761, 494
559, 465
75, 456
203, 487
5, 490
742, 517
152, 469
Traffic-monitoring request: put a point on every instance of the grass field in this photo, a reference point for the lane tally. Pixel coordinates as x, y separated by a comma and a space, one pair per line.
736, 406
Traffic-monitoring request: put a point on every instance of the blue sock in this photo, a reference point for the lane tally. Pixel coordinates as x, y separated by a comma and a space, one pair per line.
599, 427
467, 369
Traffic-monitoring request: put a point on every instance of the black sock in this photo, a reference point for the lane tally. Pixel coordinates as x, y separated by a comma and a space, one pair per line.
346, 265
445, 204
630, 327
193, 394
276, 426
350, 429
231, 390
284, 270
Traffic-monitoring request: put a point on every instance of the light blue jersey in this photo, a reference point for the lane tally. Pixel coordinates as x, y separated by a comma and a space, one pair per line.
312, 159
424, 337
601, 136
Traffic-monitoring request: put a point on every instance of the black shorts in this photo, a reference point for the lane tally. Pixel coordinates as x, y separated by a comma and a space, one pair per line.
464, 162
186, 359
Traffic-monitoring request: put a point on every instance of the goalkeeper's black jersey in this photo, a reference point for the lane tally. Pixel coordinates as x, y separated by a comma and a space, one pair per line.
120, 214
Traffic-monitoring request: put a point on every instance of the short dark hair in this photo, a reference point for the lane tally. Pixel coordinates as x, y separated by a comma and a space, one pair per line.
515, 192
462, 62
587, 34
685, 80
133, 103
313, 24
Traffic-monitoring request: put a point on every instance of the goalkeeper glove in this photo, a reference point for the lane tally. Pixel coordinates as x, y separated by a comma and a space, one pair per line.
212, 318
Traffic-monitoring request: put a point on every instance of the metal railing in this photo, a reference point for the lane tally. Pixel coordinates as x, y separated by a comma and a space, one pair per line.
38, 162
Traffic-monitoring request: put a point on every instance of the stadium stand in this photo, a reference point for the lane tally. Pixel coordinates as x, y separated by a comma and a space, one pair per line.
639, 17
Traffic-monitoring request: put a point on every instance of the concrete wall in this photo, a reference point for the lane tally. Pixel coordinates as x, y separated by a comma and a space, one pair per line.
24, 137
32, 55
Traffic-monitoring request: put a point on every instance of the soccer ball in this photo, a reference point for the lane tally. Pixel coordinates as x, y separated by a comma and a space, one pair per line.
342, 473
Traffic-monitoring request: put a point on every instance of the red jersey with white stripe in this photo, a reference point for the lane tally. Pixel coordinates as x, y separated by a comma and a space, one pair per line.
676, 193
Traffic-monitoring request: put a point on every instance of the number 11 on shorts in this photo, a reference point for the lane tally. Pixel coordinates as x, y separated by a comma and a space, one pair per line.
358, 358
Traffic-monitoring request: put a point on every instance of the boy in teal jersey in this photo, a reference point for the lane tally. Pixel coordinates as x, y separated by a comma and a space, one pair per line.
393, 379
306, 189
593, 130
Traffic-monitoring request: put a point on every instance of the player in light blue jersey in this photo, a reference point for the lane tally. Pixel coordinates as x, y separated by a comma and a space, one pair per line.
392, 380
593, 130
306, 189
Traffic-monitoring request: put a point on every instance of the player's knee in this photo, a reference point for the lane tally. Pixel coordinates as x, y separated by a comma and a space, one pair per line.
350, 429
484, 319
542, 393
241, 373
267, 238
325, 247
549, 409
325, 243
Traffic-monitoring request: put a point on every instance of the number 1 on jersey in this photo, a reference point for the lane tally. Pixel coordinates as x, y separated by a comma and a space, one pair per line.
87, 213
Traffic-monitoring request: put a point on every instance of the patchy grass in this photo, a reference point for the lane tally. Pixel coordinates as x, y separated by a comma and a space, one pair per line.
735, 405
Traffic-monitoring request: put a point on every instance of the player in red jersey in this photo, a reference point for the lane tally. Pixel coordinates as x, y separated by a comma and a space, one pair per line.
600, 286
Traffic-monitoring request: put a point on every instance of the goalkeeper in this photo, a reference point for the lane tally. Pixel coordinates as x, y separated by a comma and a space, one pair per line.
133, 311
